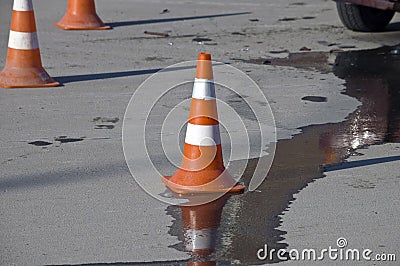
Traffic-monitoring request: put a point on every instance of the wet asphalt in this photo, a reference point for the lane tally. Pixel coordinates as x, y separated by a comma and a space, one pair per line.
371, 77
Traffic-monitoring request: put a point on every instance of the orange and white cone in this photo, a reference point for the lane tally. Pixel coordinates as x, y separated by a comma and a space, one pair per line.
81, 15
23, 67
202, 169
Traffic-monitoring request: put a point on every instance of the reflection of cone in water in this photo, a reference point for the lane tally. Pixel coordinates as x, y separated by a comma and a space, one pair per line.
327, 145
81, 15
202, 169
200, 225
331, 157
201, 263
395, 134
23, 67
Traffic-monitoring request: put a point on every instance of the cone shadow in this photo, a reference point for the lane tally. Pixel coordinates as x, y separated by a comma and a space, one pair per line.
354, 164
106, 75
110, 75
163, 20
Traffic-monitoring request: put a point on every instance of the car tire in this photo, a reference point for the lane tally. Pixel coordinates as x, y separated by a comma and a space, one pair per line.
363, 18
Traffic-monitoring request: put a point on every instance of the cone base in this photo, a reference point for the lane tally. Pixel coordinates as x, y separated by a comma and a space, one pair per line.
66, 27
53, 84
222, 183
11, 78
81, 22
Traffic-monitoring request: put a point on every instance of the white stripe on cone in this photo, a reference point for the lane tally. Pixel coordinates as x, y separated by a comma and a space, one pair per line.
200, 239
22, 5
23, 40
203, 89
202, 135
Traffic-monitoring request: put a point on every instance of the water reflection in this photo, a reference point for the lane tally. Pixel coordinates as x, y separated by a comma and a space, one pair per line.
251, 220
197, 227
372, 77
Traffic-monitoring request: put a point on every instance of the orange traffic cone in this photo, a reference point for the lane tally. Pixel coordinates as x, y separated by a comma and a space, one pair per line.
202, 169
23, 67
81, 15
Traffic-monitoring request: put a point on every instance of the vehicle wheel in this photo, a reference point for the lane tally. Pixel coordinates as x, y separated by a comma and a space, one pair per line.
363, 18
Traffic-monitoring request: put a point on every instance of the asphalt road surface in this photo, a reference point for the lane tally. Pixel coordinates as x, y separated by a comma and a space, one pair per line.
68, 197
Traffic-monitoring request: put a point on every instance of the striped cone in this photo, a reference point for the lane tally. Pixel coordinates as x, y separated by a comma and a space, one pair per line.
202, 169
81, 15
23, 67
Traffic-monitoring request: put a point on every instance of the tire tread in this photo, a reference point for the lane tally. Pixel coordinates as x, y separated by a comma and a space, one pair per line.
361, 18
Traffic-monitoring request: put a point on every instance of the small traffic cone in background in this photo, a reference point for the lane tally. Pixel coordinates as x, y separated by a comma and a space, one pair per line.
23, 67
81, 15
202, 169
200, 229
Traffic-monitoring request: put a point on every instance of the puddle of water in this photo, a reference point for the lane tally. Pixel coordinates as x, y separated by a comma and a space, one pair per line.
104, 127
105, 119
40, 143
65, 139
309, 60
198, 39
316, 99
242, 224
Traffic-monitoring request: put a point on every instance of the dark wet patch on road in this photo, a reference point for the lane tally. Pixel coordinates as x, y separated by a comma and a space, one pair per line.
105, 119
65, 139
297, 4
156, 58
106, 122
205, 41
104, 127
40, 143
238, 33
347, 46
329, 44
305, 60
295, 18
288, 19
316, 99
279, 51
199, 39
245, 223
